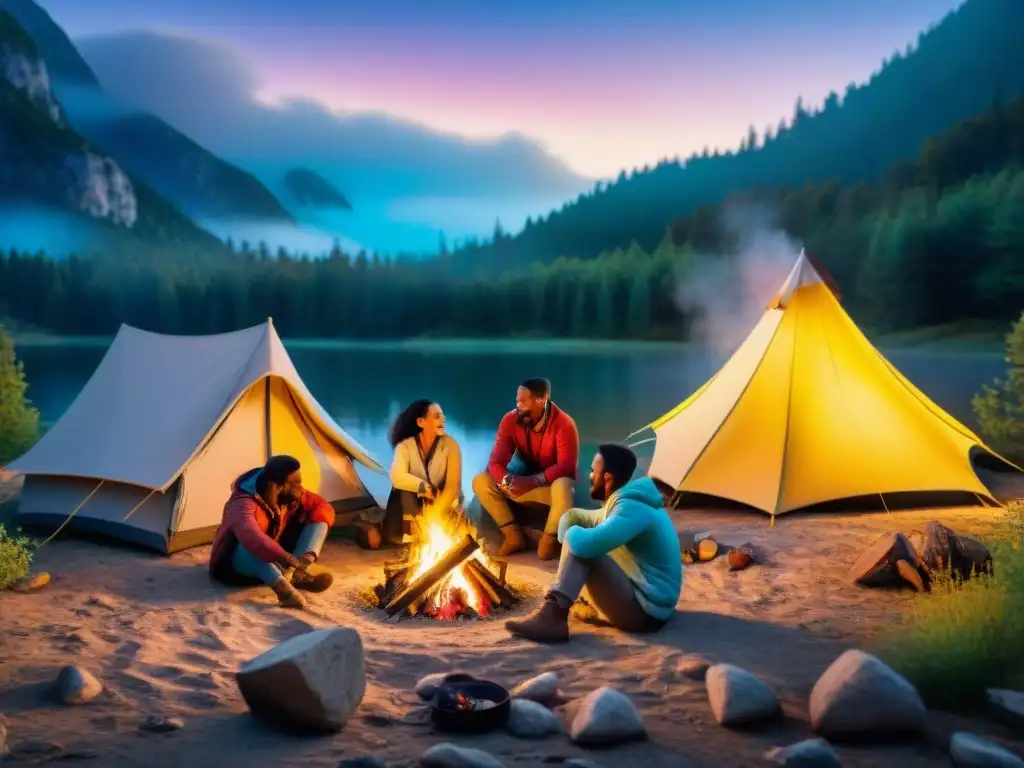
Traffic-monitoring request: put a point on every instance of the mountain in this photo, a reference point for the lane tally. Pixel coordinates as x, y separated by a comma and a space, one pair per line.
956, 69
46, 165
405, 180
197, 181
310, 188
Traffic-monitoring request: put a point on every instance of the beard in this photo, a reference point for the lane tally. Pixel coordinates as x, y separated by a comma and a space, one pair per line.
524, 418
597, 492
284, 499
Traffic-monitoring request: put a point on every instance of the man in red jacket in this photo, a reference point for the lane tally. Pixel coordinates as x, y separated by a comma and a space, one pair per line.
272, 531
546, 440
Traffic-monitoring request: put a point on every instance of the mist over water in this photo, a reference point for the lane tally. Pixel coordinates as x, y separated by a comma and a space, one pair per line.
296, 239
30, 227
727, 293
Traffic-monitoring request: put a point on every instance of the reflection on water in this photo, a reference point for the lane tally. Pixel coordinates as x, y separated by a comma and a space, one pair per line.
610, 393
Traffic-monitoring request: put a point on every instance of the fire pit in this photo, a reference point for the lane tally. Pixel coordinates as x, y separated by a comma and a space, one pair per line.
443, 573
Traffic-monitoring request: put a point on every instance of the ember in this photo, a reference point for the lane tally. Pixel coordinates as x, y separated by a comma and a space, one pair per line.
443, 574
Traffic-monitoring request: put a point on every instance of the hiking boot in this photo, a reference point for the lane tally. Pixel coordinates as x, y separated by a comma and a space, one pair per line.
514, 541
548, 547
319, 582
287, 595
548, 624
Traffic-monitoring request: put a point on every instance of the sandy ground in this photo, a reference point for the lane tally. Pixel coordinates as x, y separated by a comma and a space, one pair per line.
164, 640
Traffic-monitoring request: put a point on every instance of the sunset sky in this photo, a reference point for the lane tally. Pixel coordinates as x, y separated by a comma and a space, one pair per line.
603, 84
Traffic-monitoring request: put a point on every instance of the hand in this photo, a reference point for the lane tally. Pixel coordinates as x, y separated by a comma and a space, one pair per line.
517, 486
290, 561
429, 492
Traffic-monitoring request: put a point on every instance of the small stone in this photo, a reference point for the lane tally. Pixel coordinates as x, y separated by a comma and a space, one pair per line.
969, 751
543, 689
739, 559
532, 720
859, 694
1007, 706
77, 686
450, 756
32, 582
738, 697
363, 761
812, 753
32, 748
606, 716
694, 667
158, 724
427, 686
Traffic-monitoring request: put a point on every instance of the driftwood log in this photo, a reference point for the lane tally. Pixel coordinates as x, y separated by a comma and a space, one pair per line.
420, 587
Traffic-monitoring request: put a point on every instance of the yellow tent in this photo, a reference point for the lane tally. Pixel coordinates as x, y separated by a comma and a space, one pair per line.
807, 411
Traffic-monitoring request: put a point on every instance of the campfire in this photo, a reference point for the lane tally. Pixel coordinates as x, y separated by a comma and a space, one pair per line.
443, 574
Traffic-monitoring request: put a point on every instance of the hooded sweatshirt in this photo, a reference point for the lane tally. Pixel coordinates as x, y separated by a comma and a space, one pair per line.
249, 522
637, 533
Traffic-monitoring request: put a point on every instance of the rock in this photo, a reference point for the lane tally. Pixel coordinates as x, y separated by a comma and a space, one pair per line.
543, 689
77, 686
859, 694
427, 686
315, 680
451, 756
606, 716
738, 697
32, 582
694, 667
969, 751
31, 749
1007, 706
363, 761
532, 720
739, 559
158, 724
812, 753
580, 762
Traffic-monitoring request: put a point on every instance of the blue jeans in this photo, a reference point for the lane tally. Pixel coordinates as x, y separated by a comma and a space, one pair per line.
311, 539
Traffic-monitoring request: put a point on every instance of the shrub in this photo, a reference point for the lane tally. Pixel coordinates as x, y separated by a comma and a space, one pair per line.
19, 421
15, 557
966, 636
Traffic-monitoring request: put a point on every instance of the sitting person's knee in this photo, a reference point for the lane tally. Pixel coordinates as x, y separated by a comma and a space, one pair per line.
483, 482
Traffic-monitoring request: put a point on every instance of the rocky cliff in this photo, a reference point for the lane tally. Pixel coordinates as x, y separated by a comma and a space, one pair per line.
41, 158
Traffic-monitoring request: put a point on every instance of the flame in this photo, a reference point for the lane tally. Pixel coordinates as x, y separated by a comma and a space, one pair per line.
435, 531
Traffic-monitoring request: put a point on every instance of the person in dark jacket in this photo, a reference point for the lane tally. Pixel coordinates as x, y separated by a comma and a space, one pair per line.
546, 440
273, 529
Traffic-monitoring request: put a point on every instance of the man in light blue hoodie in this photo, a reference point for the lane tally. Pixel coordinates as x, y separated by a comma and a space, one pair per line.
626, 554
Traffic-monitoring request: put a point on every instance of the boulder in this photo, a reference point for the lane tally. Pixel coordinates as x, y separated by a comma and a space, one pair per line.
315, 680
738, 697
606, 716
969, 751
76, 685
543, 689
811, 753
859, 694
1007, 706
532, 720
451, 756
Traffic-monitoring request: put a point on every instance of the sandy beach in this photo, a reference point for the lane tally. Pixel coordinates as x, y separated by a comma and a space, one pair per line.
164, 640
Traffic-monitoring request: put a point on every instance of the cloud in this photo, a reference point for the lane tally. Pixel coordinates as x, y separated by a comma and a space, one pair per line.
210, 91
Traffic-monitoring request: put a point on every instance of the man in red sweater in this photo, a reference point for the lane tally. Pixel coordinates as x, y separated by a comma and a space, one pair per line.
546, 440
272, 531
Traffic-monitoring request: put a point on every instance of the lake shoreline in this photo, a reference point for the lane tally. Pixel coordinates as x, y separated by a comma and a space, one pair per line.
930, 339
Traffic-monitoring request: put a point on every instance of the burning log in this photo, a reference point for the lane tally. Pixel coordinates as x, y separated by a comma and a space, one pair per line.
500, 594
420, 587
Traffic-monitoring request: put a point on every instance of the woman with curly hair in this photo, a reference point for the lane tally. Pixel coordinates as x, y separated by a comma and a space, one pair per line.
427, 468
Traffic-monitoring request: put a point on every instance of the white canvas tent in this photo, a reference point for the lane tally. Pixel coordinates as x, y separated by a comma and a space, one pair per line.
149, 448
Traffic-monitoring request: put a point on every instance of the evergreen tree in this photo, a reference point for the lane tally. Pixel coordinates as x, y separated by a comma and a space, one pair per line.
1000, 407
19, 421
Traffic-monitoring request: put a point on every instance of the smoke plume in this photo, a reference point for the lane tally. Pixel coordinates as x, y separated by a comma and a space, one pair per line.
727, 293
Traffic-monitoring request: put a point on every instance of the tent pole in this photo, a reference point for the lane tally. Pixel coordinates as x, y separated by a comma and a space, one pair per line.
73, 513
884, 504
266, 407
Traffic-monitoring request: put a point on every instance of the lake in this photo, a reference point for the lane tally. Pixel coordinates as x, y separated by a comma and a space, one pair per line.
611, 389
